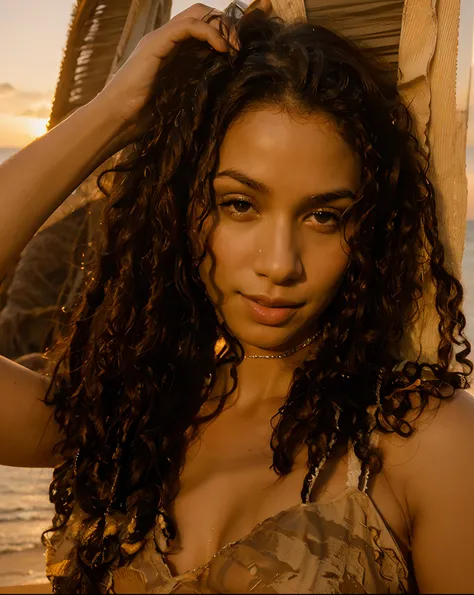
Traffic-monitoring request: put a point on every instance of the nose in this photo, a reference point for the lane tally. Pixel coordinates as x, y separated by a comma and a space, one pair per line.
278, 254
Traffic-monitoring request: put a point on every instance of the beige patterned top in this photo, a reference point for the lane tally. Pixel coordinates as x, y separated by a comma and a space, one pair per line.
339, 546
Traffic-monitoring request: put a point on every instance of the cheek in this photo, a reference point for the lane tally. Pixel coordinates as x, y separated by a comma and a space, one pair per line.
224, 258
325, 267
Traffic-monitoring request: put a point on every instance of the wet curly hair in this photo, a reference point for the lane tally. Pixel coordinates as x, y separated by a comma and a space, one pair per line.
138, 360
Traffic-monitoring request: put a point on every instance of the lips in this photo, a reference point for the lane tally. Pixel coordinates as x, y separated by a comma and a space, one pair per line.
263, 300
271, 312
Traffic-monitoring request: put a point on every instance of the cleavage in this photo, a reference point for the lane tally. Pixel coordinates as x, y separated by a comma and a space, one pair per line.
226, 489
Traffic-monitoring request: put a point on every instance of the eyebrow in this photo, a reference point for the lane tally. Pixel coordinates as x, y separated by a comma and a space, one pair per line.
262, 188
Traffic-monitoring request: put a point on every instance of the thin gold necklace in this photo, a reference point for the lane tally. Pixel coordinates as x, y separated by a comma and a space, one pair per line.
305, 343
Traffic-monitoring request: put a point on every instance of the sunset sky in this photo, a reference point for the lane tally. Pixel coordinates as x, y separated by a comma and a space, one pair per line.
32, 38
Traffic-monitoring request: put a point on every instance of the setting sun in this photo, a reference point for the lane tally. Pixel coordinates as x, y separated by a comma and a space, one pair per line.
18, 131
36, 126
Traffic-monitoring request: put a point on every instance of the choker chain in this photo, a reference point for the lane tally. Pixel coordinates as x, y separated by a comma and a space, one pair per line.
302, 345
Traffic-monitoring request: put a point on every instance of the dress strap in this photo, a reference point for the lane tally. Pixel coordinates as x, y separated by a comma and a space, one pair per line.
311, 477
373, 436
354, 467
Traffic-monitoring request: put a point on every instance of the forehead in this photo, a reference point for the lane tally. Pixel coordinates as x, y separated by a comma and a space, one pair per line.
289, 152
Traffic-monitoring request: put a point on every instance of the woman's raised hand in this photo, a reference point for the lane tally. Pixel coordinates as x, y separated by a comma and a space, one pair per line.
131, 88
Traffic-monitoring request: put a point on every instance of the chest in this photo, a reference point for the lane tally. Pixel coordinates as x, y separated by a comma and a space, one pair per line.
228, 486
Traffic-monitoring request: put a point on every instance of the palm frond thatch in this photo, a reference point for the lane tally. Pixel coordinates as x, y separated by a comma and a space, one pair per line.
373, 23
93, 48
102, 34
95, 30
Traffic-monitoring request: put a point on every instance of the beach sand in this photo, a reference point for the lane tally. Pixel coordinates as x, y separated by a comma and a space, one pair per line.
21, 568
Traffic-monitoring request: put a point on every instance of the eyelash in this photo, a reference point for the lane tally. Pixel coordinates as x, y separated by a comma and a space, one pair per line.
231, 203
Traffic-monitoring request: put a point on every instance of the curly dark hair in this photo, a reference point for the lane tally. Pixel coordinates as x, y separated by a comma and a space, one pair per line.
138, 359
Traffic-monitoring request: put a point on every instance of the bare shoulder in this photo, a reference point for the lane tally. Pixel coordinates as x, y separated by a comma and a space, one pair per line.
443, 440
444, 428
440, 450
435, 468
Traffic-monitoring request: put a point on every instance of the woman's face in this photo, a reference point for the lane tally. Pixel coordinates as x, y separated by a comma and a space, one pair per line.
276, 253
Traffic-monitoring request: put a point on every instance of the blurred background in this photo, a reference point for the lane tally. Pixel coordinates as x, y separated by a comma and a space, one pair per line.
32, 40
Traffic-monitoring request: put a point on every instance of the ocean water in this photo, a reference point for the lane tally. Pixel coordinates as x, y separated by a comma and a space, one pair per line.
25, 510
6, 153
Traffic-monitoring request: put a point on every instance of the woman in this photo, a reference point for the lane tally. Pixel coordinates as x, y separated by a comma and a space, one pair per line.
232, 412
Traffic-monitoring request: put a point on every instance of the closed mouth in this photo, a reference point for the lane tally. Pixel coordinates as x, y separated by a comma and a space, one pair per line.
272, 302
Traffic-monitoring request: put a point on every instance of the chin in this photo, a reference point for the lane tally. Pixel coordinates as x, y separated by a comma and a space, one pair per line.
265, 337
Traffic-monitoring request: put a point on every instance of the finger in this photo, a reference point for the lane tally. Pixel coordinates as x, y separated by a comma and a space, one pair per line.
199, 11
193, 27
192, 17
230, 34
217, 23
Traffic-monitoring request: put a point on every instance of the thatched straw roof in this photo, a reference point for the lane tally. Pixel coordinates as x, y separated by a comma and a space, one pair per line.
372, 23
102, 35
96, 41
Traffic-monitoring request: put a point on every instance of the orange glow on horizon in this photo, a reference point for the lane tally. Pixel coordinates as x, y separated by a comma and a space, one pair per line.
36, 126
18, 131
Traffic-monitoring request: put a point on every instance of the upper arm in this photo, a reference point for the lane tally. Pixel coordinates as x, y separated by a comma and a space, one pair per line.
440, 489
28, 431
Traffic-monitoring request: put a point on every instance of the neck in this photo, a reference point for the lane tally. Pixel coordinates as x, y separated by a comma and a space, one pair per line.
284, 354
262, 382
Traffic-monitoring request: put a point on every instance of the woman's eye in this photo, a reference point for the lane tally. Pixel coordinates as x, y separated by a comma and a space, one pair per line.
237, 206
326, 218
